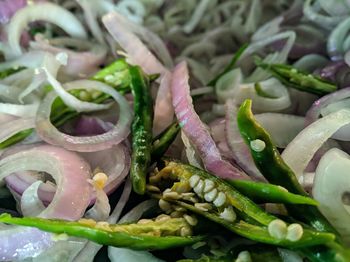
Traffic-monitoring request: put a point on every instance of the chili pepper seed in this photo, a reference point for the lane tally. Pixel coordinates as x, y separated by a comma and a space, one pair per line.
294, 232
210, 196
277, 229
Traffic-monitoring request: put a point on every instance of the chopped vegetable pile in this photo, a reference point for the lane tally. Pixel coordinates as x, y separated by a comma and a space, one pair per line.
188, 130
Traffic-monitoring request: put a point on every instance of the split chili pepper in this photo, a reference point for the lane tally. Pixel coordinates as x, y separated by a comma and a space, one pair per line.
141, 129
270, 163
183, 186
154, 235
300, 80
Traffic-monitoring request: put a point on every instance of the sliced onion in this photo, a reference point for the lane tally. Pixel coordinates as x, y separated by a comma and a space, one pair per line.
300, 151
190, 152
68, 169
8, 8
31, 59
31, 205
89, 125
44, 11
11, 128
154, 42
336, 40
71, 173
52, 135
311, 13
328, 104
195, 129
80, 63
283, 128
239, 150
331, 189
68, 98
163, 109
198, 13
114, 162
136, 213
272, 87
124, 254
137, 52
114, 217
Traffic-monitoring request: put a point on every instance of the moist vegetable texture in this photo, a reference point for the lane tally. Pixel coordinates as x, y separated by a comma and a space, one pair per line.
163, 138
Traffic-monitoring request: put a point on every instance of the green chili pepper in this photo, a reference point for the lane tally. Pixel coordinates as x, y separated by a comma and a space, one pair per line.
270, 163
204, 194
297, 79
162, 142
151, 236
276, 171
232, 64
141, 129
268, 193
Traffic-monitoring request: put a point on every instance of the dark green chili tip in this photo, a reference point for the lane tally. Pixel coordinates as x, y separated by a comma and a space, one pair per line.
141, 129
270, 163
230, 66
268, 193
162, 142
292, 77
144, 238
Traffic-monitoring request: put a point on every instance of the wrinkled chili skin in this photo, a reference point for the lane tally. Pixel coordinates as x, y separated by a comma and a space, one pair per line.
141, 130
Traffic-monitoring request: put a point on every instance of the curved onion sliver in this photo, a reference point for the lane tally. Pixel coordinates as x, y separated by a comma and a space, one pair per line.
49, 133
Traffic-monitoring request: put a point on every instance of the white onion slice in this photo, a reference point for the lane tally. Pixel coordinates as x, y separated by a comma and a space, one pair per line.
283, 128
124, 254
114, 217
82, 62
300, 151
31, 59
31, 205
44, 11
69, 99
49, 133
163, 109
137, 52
11, 128
331, 186
19, 110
